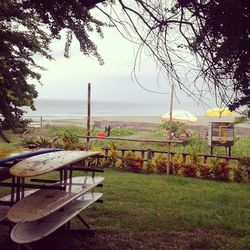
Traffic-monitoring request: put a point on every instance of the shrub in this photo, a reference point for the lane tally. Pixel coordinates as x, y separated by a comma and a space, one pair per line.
37, 142
175, 126
239, 173
113, 155
43, 142
205, 171
189, 170
27, 141
96, 162
120, 164
245, 163
177, 161
150, 167
65, 136
69, 137
221, 171
133, 162
160, 163
193, 157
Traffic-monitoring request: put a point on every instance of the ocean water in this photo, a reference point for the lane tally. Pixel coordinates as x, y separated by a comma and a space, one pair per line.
78, 108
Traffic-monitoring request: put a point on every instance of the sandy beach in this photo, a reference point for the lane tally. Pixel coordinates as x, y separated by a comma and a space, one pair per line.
140, 122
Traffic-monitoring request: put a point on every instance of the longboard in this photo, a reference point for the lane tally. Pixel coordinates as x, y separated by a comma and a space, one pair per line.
36, 230
44, 202
3, 212
45, 163
19, 156
4, 208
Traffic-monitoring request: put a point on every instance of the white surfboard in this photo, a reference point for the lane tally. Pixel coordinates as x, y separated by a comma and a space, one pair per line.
3, 212
4, 208
26, 193
44, 163
46, 201
36, 230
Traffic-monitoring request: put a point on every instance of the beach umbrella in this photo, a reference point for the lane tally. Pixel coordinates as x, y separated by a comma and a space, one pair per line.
218, 112
180, 116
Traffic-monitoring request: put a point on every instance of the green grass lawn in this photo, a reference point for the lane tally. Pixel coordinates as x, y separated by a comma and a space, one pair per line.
159, 212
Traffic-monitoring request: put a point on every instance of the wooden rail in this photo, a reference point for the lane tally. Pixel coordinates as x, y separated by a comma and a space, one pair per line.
148, 154
134, 140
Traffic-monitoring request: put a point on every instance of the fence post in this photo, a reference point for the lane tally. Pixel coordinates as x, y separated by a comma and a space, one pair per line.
106, 153
123, 153
142, 154
149, 154
205, 159
41, 122
89, 114
184, 157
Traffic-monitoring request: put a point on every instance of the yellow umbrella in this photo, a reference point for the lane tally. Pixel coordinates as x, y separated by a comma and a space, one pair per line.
218, 112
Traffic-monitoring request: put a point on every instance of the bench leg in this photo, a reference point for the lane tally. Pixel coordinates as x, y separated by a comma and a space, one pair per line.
84, 222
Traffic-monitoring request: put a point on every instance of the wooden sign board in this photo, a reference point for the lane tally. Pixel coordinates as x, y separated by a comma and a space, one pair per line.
221, 134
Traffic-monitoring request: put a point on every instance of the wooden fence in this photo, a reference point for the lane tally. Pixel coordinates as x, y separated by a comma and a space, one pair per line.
148, 154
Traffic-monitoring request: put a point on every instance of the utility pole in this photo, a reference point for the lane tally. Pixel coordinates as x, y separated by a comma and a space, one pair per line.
170, 130
89, 108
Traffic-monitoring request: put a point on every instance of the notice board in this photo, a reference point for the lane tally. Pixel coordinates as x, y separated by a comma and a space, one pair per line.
221, 134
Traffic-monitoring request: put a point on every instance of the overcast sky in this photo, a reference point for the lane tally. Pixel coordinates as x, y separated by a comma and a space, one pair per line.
68, 78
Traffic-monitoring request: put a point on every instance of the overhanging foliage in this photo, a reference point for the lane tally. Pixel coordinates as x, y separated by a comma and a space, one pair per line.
216, 32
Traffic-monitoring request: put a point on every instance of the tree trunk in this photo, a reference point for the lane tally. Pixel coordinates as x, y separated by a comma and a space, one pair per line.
4, 137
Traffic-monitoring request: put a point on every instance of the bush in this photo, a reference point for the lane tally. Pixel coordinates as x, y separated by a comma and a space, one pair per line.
96, 162
193, 157
27, 141
245, 163
113, 155
133, 162
189, 170
175, 126
239, 173
205, 171
160, 163
150, 167
37, 142
43, 142
177, 161
221, 171
65, 136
